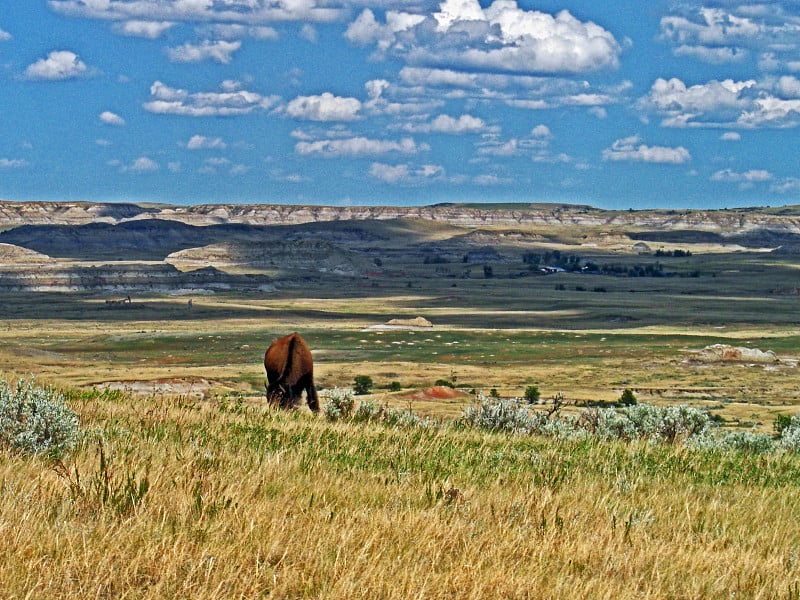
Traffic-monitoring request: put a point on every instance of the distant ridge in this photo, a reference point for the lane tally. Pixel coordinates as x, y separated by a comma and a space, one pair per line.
738, 220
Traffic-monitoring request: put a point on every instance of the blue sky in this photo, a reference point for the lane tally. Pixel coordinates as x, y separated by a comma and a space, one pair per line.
617, 104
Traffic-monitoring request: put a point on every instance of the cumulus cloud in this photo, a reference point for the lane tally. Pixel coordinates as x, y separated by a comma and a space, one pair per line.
200, 142
450, 125
404, 173
4, 35
358, 146
325, 107
631, 149
231, 102
501, 37
110, 118
743, 104
145, 29
730, 136
219, 51
58, 66
541, 132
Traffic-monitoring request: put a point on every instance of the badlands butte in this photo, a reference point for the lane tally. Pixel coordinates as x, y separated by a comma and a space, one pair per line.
82, 246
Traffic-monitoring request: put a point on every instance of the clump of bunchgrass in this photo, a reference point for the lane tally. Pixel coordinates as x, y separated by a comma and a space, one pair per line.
35, 420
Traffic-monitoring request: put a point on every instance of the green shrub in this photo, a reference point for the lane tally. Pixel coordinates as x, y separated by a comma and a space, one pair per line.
35, 420
628, 398
532, 394
362, 385
395, 386
444, 383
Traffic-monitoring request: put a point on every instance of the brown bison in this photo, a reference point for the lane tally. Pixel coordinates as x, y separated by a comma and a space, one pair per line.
290, 372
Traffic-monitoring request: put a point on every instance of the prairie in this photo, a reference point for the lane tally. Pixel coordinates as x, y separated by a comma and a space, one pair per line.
170, 498
185, 485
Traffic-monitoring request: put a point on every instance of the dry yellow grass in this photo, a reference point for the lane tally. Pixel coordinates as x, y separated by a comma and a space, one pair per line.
207, 500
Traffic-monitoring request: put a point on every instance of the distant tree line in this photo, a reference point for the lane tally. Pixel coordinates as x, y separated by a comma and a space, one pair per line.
572, 263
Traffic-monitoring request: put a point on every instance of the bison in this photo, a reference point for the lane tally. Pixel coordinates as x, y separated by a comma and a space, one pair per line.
290, 372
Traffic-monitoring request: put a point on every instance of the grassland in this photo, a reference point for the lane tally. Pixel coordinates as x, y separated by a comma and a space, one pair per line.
203, 492
222, 500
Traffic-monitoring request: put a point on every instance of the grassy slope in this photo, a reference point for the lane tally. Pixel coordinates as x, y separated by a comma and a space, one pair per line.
224, 501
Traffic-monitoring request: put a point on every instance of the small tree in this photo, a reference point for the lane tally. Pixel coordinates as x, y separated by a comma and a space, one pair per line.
362, 385
494, 393
628, 398
395, 386
532, 394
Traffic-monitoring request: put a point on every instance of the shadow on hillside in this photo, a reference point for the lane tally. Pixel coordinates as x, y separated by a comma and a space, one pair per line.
155, 239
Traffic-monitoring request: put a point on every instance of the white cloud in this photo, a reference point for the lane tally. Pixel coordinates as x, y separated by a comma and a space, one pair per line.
450, 125
788, 86
541, 132
325, 107
487, 180
497, 148
59, 65
143, 164
110, 118
200, 142
404, 173
358, 146
501, 37
248, 12
145, 29
13, 163
389, 173
233, 102
230, 31
520, 91
714, 56
630, 149
744, 104
788, 185
730, 136
309, 33
219, 51
751, 176
4, 36
729, 34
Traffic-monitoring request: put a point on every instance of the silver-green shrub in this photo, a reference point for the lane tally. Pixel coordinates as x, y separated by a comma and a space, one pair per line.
638, 422
35, 420
790, 435
339, 405
498, 414
748, 441
368, 411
